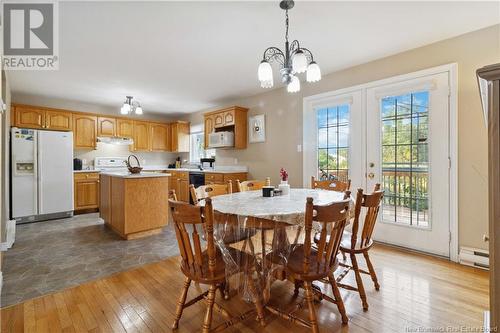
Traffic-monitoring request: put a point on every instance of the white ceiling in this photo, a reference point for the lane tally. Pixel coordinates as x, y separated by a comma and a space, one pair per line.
186, 56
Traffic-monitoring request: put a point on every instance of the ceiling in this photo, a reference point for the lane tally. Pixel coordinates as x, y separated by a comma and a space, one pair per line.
178, 57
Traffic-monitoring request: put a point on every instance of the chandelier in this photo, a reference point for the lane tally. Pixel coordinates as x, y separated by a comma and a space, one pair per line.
130, 106
294, 60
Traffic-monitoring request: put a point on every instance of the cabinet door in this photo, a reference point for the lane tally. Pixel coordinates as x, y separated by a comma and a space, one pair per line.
209, 127
180, 137
85, 131
183, 194
229, 118
125, 128
28, 117
86, 194
106, 126
142, 140
58, 120
160, 140
218, 120
173, 182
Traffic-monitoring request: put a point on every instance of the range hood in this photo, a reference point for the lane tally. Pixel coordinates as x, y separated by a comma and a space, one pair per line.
115, 140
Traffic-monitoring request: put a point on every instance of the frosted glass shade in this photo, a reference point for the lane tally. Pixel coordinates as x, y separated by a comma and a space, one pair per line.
313, 72
138, 110
265, 71
266, 84
299, 62
294, 85
125, 108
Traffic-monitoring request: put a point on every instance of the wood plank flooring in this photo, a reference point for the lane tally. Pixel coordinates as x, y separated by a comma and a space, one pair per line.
417, 291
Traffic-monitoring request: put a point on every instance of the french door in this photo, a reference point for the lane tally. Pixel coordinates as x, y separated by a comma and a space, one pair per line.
407, 150
394, 132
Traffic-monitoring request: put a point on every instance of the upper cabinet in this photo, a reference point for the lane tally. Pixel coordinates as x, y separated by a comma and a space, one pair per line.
160, 137
85, 130
180, 136
233, 119
26, 116
125, 128
142, 140
106, 126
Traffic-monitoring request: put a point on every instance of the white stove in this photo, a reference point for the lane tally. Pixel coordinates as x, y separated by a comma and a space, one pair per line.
117, 164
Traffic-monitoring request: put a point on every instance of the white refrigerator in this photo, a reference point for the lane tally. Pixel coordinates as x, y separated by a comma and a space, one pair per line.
42, 175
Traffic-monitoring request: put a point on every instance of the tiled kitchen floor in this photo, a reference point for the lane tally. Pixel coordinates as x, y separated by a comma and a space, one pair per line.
55, 255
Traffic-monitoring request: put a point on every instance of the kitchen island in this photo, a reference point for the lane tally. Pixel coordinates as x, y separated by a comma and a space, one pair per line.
134, 205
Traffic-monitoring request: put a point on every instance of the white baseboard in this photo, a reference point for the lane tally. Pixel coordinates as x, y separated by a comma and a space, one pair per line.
474, 257
1, 281
10, 236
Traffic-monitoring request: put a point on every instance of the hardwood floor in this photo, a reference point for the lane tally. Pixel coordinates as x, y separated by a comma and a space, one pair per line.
416, 291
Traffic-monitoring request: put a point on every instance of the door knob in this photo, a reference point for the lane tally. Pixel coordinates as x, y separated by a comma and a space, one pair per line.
371, 164
371, 175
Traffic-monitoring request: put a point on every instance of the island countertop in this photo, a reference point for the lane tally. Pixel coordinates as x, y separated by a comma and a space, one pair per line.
135, 175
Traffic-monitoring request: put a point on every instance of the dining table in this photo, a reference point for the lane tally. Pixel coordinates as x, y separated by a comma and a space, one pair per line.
254, 218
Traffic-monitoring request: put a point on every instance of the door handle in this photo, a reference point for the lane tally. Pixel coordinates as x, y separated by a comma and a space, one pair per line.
371, 175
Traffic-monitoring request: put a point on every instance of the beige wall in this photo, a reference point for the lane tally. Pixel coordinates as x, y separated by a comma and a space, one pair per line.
284, 120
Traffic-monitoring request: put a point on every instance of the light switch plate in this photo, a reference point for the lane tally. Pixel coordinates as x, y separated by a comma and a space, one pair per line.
299, 148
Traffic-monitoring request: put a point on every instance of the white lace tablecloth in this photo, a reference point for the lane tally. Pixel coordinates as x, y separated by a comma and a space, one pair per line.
286, 208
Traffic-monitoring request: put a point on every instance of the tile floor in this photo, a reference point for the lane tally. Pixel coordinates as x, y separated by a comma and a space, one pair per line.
54, 255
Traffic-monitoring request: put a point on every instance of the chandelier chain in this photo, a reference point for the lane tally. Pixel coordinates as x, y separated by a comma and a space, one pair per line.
286, 23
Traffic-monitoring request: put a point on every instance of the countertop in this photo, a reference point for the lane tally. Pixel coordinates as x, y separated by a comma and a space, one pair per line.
164, 168
135, 175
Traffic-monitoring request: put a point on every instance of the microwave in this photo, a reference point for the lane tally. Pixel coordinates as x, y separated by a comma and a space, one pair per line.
220, 139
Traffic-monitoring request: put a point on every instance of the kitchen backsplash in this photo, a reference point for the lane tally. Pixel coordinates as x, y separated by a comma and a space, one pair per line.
109, 150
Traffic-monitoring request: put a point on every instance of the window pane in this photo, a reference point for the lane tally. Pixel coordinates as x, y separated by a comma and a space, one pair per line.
332, 136
405, 159
332, 116
323, 138
343, 115
343, 136
321, 115
332, 159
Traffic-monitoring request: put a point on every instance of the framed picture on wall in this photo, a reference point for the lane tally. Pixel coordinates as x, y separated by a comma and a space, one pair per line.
257, 128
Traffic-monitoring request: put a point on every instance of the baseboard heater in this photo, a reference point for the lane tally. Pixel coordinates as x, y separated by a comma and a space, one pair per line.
474, 257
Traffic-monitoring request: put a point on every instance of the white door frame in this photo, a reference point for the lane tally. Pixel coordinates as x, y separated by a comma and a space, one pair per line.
309, 143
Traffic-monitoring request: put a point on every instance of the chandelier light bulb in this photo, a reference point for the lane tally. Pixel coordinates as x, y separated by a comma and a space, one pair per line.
294, 85
299, 62
265, 71
138, 110
313, 72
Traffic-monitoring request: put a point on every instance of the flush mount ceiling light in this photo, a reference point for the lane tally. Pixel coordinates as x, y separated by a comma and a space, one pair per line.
130, 106
294, 60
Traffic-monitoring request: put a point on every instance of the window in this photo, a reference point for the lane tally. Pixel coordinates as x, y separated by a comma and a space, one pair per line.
198, 148
333, 142
405, 158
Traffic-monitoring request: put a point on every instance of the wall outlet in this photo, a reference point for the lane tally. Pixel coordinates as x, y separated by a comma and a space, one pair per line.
235, 161
299, 148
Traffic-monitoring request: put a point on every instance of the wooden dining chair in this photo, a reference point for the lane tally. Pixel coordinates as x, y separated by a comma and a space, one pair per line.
250, 185
207, 266
332, 185
172, 195
208, 191
307, 264
354, 244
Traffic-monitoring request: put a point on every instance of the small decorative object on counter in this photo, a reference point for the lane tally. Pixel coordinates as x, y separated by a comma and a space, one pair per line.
267, 191
178, 162
284, 187
133, 169
277, 192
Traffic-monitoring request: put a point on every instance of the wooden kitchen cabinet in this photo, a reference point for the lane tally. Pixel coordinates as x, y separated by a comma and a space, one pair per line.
224, 178
125, 128
232, 119
28, 117
179, 182
85, 131
106, 126
142, 140
58, 120
86, 188
209, 128
160, 137
180, 131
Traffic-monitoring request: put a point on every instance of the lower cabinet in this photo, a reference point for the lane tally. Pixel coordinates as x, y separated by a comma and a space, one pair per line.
86, 189
224, 178
179, 182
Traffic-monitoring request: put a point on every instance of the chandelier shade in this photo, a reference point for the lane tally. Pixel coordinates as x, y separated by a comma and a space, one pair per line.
130, 106
293, 60
313, 72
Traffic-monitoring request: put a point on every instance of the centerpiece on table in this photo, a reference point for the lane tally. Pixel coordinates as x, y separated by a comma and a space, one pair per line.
283, 186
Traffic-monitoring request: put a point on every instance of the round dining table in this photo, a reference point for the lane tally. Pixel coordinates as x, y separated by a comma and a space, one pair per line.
249, 215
